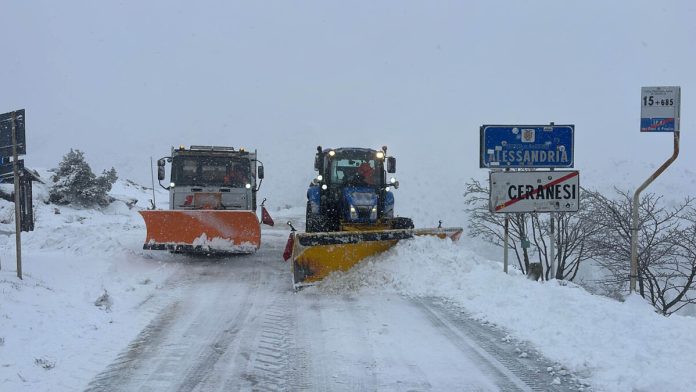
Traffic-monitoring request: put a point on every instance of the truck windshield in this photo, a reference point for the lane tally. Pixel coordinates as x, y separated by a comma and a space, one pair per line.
211, 171
356, 167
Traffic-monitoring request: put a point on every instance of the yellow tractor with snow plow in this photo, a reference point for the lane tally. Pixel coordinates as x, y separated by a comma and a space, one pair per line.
350, 214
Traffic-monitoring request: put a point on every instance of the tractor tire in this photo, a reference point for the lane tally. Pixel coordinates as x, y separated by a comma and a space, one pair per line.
317, 223
402, 223
313, 222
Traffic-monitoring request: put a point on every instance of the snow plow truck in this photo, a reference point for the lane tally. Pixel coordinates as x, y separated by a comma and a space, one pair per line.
350, 214
212, 202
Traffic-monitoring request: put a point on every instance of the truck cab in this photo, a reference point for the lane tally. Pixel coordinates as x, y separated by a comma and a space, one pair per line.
212, 178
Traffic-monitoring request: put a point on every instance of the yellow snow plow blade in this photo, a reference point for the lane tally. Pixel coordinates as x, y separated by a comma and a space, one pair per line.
316, 255
202, 231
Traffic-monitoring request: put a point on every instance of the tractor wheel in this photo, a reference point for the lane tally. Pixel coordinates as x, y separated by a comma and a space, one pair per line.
317, 223
312, 223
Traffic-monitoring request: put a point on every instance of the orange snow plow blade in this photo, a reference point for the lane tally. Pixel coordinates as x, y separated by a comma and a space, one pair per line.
202, 231
315, 255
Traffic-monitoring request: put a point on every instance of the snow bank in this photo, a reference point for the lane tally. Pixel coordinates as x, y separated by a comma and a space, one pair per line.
88, 289
624, 346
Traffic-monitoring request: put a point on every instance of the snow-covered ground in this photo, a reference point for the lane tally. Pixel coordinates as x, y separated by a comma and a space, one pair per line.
623, 346
89, 289
86, 290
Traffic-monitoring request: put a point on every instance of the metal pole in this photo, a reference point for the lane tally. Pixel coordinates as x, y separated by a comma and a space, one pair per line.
18, 227
505, 248
553, 247
553, 242
506, 240
152, 175
634, 212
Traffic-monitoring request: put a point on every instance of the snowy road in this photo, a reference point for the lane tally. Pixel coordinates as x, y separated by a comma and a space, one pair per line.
235, 324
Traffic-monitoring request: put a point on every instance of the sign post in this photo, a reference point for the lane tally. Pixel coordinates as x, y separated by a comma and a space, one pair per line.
553, 247
659, 113
18, 214
530, 147
12, 141
507, 240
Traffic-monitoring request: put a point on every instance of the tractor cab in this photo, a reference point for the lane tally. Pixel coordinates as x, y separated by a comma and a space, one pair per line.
351, 190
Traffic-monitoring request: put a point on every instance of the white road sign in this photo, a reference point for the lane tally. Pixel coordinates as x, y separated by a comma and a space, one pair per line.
538, 191
659, 109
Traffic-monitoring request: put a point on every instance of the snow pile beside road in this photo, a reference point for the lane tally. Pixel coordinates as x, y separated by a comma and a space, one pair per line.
623, 346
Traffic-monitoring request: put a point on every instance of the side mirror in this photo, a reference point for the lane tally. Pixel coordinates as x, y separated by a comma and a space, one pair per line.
260, 172
391, 165
160, 169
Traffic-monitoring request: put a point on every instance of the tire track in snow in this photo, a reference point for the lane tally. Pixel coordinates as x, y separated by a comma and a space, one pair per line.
275, 361
222, 342
118, 372
180, 347
269, 363
514, 373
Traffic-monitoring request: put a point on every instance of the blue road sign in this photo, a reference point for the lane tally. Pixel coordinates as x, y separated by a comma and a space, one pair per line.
527, 146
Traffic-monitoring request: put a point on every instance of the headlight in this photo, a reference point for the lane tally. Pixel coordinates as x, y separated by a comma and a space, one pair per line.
320, 177
332, 153
380, 155
353, 213
386, 189
392, 180
171, 185
324, 187
247, 186
373, 213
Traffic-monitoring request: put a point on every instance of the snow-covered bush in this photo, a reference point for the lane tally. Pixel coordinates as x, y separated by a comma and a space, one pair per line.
666, 242
75, 183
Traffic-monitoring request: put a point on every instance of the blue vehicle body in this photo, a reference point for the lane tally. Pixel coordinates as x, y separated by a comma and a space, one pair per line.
343, 194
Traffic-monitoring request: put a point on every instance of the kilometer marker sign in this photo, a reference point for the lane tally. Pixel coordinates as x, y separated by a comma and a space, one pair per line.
659, 110
541, 191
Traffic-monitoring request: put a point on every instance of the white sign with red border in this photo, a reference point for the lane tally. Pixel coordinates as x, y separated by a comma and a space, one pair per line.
536, 191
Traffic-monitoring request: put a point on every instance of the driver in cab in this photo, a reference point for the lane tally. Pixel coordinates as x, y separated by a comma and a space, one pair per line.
236, 177
364, 175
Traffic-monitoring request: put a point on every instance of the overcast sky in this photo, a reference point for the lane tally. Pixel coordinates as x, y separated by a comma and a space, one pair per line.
126, 80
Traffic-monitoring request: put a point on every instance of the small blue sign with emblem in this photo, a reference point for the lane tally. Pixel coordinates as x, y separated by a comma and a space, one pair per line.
527, 146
